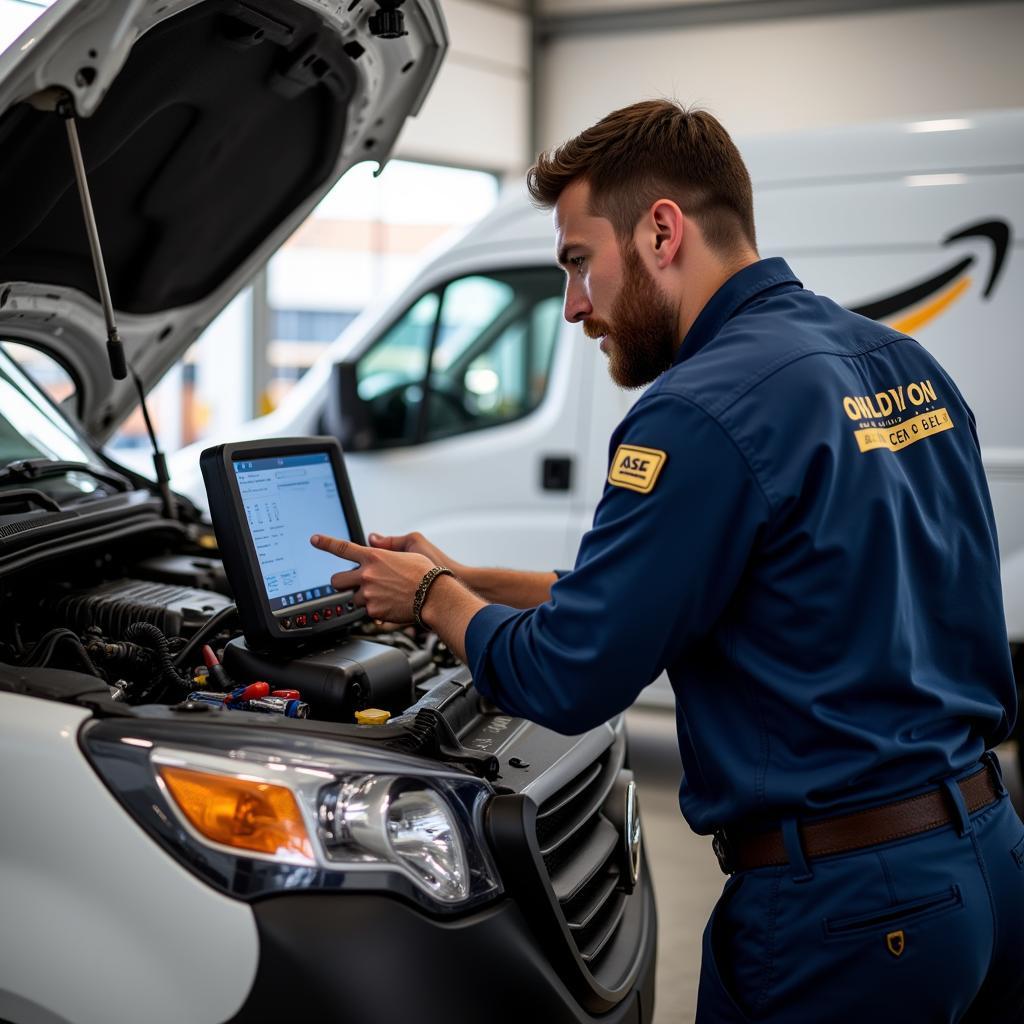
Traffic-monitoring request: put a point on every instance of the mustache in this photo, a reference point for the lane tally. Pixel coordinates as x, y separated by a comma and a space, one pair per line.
595, 329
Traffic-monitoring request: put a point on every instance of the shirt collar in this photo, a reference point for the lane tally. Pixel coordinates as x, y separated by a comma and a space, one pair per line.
743, 286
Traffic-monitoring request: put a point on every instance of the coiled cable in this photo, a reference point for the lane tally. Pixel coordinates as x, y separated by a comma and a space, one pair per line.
145, 634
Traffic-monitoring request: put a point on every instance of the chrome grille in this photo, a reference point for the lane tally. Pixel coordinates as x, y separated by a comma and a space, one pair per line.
583, 853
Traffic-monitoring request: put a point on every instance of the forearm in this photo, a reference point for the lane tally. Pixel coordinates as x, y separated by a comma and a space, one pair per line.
448, 609
508, 586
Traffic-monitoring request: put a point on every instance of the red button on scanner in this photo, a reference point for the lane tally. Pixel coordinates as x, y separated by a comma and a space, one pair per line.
300, 620
316, 616
328, 613
338, 609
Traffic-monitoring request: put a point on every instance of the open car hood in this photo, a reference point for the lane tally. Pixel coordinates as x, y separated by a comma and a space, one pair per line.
210, 129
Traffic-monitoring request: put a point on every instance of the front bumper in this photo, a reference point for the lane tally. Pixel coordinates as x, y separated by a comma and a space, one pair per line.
371, 959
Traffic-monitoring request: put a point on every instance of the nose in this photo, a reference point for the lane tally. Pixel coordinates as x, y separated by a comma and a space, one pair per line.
577, 304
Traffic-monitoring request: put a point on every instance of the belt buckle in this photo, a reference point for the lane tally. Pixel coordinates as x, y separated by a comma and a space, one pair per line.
723, 851
991, 760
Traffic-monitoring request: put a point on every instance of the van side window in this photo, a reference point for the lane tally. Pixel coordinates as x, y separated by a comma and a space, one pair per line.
493, 351
390, 376
488, 341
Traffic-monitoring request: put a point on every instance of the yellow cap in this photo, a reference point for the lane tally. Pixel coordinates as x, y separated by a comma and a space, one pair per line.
372, 716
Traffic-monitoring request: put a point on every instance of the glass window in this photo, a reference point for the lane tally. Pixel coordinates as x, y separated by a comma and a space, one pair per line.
493, 352
364, 241
390, 376
489, 340
46, 373
30, 428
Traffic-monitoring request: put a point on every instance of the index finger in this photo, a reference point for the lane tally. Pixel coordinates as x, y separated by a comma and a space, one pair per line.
341, 548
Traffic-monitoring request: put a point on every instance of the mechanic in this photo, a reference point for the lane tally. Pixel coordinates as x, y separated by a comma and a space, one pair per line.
797, 527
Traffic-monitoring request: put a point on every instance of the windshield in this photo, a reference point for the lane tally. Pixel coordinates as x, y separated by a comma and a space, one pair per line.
31, 427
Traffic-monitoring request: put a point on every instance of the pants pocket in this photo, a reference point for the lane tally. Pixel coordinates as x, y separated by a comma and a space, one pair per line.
715, 1003
898, 913
1017, 853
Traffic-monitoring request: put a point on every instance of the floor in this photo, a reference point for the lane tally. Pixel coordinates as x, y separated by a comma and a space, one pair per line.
686, 875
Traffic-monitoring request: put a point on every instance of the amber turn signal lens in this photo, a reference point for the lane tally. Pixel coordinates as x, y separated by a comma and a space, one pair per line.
242, 813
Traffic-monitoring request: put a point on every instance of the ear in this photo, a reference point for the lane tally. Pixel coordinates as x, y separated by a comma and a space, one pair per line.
665, 223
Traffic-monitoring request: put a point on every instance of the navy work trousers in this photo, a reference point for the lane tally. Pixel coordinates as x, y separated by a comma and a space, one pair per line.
925, 930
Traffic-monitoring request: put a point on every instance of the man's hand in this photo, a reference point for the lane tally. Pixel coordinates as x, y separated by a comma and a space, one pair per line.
385, 582
417, 544
503, 586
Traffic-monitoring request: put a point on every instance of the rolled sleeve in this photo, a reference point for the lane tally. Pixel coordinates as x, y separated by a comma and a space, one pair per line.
652, 576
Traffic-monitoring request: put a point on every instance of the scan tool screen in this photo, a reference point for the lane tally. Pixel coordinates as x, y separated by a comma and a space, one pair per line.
287, 499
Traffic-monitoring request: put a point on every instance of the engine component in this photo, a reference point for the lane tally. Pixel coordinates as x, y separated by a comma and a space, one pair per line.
115, 605
44, 650
185, 571
337, 682
145, 634
372, 716
120, 657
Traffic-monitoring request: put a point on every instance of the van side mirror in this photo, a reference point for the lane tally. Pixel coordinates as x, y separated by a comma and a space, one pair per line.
347, 416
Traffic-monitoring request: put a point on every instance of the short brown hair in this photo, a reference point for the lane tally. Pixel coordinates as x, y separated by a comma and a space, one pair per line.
653, 150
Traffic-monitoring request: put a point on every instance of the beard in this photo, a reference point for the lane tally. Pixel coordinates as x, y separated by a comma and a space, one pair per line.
641, 334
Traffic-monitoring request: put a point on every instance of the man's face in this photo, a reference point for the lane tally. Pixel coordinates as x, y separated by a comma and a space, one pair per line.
612, 293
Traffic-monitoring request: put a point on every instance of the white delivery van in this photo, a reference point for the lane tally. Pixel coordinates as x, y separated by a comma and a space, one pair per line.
472, 412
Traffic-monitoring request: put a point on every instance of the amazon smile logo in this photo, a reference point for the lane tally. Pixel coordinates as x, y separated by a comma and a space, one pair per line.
913, 307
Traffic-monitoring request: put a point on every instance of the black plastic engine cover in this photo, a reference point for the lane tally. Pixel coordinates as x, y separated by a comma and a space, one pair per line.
114, 606
335, 682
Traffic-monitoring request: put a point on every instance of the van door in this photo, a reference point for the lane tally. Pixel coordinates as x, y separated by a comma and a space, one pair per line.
475, 406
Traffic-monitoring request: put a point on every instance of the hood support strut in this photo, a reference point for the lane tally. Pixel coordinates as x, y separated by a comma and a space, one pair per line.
115, 347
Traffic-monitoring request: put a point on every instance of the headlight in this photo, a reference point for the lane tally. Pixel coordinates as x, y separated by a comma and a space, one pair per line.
403, 821
255, 812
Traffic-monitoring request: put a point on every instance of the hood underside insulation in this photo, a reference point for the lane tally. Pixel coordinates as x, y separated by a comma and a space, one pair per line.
223, 120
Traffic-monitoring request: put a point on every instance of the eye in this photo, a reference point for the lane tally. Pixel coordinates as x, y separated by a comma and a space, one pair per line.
578, 262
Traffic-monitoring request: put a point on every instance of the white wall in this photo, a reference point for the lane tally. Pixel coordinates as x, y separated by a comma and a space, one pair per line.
794, 73
477, 114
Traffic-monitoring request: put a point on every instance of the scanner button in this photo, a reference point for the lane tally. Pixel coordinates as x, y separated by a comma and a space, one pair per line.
287, 623
316, 616
300, 620
328, 613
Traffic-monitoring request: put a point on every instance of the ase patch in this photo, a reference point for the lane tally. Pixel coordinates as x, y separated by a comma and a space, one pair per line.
636, 468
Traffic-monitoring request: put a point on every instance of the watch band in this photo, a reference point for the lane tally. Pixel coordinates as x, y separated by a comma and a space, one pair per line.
424, 588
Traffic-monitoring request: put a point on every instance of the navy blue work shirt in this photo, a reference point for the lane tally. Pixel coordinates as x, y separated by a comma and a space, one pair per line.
797, 527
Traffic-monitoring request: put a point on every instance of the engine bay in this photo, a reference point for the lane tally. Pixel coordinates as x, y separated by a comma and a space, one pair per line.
147, 629
111, 604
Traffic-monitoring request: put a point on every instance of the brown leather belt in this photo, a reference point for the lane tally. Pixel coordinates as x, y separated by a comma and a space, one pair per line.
859, 830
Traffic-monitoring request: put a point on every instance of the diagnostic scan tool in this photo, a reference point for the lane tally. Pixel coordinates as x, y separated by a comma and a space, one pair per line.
266, 499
